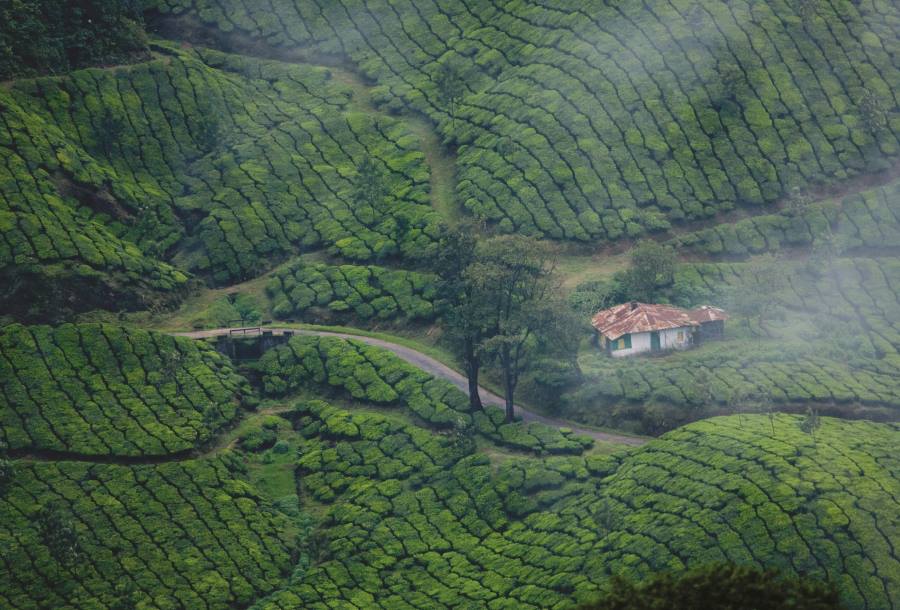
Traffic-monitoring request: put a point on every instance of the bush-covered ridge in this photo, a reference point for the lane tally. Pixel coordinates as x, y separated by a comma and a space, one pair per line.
361, 292
417, 521
869, 219
375, 375
690, 108
221, 164
182, 535
102, 390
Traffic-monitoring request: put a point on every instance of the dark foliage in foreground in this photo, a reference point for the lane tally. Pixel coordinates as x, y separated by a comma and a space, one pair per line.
720, 586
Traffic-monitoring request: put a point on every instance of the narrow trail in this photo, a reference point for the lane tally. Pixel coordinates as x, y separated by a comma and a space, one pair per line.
438, 369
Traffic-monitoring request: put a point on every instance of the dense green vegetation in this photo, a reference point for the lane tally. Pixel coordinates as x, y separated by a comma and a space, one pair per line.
869, 219
605, 120
415, 521
93, 389
188, 534
738, 153
828, 335
372, 374
219, 164
323, 292
719, 586
41, 36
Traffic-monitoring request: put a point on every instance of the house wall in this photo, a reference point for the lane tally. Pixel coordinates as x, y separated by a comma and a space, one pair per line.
640, 342
668, 339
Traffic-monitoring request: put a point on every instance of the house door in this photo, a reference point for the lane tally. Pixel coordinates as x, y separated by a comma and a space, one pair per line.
654, 341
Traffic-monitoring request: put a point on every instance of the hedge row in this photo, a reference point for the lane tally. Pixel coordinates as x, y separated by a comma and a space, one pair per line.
373, 374
180, 535
104, 390
870, 219
415, 521
361, 292
599, 120
220, 163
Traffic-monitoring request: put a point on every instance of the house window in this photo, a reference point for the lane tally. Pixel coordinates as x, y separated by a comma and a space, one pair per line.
681, 336
623, 342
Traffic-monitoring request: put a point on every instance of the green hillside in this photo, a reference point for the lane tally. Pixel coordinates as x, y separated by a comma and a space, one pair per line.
103, 390
218, 164
605, 120
392, 196
345, 505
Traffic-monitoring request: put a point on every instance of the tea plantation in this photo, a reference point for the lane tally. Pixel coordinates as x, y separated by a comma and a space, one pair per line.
189, 534
412, 524
219, 164
351, 291
604, 120
372, 374
92, 390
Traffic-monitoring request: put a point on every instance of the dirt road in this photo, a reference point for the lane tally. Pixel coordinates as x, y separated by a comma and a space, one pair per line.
438, 369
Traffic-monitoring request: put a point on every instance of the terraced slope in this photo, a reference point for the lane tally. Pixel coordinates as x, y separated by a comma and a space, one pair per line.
219, 164
373, 374
355, 292
99, 390
602, 120
868, 221
182, 535
414, 521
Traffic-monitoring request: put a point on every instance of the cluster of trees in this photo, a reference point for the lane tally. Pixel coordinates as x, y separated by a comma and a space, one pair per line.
54, 36
502, 305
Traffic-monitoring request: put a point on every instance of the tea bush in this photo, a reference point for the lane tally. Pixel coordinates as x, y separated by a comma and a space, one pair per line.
360, 292
218, 163
414, 522
596, 120
373, 374
97, 389
186, 534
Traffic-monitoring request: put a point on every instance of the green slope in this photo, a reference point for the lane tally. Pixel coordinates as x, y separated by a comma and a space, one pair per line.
220, 164
391, 501
410, 524
602, 120
101, 390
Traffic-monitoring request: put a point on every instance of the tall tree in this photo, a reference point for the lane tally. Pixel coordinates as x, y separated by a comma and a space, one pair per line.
515, 280
754, 297
462, 305
370, 187
872, 112
450, 81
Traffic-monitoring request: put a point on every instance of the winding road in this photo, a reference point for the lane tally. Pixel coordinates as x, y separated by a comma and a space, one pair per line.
429, 365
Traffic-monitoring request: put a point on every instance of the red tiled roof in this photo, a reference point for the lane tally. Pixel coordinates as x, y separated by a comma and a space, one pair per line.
707, 313
642, 317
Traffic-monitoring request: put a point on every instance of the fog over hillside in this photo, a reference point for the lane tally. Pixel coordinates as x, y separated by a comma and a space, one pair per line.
449, 304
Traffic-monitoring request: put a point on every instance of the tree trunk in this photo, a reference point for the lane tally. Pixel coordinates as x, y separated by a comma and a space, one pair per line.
472, 368
509, 387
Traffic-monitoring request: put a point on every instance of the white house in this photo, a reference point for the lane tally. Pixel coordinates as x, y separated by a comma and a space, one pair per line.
634, 328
